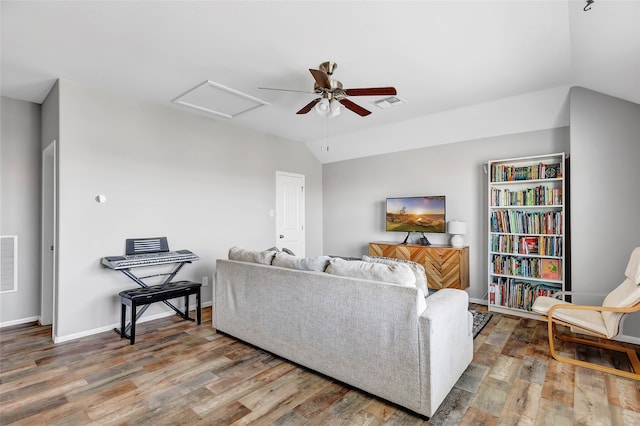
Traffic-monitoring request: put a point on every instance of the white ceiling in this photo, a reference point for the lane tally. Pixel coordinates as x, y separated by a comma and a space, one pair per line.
440, 55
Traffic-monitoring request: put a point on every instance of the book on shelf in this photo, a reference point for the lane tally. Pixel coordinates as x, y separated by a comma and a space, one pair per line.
550, 246
517, 266
538, 245
553, 171
520, 222
530, 245
518, 294
537, 196
550, 269
506, 173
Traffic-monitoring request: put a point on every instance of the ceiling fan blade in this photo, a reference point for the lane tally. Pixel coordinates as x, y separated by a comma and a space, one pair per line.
308, 107
285, 90
322, 78
372, 91
355, 107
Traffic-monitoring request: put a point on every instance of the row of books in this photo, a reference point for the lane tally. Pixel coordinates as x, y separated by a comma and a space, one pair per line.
537, 196
519, 222
504, 173
546, 246
512, 293
530, 267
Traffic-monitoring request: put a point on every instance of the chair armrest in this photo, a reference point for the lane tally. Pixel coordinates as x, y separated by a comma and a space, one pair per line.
633, 308
577, 293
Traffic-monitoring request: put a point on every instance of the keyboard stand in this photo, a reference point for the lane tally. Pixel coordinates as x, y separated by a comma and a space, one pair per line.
139, 280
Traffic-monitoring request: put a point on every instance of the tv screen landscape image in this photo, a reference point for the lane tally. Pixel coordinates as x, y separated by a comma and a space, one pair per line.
416, 214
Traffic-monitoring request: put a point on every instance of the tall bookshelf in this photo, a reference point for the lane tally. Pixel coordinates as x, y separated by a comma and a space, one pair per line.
526, 238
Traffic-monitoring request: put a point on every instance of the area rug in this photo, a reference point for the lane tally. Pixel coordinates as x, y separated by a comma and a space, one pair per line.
480, 319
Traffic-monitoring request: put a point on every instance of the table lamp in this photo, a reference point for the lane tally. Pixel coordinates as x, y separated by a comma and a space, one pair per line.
457, 229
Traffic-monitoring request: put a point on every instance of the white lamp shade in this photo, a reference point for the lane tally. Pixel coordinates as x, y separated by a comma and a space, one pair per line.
322, 107
457, 227
336, 109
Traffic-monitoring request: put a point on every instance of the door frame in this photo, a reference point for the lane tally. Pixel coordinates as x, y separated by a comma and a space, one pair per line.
49, 238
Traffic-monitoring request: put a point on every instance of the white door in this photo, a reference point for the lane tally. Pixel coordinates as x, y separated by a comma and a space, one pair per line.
290, 212
48, 278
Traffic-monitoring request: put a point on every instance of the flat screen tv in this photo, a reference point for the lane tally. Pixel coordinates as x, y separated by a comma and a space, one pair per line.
416, 214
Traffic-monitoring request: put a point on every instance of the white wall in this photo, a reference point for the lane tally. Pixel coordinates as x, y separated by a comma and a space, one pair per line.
355, 192
20, 204
605, 206
203, 183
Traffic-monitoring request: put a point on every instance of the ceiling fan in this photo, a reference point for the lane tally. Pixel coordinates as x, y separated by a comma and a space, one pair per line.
331, 93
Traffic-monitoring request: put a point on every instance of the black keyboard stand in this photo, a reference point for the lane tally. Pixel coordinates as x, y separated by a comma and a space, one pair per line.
139, 280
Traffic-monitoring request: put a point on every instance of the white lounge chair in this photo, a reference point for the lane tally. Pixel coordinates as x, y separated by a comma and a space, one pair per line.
601, 321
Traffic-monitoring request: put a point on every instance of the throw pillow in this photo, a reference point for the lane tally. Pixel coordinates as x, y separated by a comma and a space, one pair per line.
284, 260
289, 252
396, 273
346, 257
253, 256
284, 249
416, 268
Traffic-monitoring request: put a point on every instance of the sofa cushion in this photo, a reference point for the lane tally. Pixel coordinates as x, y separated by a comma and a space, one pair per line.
254, 256
317, 263
416, 268
396, 273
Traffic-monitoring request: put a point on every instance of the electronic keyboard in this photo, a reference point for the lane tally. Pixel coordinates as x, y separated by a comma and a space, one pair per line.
148, 259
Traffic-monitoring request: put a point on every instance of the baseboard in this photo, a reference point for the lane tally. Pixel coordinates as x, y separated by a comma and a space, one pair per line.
61, 339
19, 321
478, 301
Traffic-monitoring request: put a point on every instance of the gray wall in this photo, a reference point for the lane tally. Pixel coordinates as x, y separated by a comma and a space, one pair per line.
51, 116
203, 183
208, 185
605, 177
355, 192
20, 203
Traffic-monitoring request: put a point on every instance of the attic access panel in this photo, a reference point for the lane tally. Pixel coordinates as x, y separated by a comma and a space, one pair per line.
220, 100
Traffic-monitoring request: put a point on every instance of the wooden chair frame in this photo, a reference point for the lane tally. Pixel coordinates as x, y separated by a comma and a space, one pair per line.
553, 331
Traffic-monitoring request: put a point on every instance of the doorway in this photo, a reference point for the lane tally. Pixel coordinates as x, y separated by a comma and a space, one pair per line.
290, 214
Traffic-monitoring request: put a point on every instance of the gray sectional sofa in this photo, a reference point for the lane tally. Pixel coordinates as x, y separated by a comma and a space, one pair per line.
386, 339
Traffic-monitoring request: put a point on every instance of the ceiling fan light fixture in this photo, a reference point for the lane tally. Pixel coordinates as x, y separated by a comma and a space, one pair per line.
336, 109
323, 107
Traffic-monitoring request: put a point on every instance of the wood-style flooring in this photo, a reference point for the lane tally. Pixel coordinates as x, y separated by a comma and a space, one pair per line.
179, 373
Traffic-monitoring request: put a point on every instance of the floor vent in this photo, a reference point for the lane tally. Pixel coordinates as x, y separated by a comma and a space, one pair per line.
8, 263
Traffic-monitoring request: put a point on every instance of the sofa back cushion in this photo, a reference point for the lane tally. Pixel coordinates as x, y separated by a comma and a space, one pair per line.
317, 263
254, 256
396, 273
416, 268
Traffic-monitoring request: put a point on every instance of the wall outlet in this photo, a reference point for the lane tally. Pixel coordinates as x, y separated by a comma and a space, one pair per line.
205, 281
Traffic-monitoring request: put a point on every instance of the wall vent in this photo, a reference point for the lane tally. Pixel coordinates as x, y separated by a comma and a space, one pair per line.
8, 263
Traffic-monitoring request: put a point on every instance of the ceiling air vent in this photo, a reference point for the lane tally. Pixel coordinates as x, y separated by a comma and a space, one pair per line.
388, 102
220, 100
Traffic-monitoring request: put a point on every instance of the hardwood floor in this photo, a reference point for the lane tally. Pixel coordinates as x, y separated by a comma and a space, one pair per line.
181, 373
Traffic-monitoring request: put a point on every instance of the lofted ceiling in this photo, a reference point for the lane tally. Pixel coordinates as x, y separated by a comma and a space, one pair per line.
440, 55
